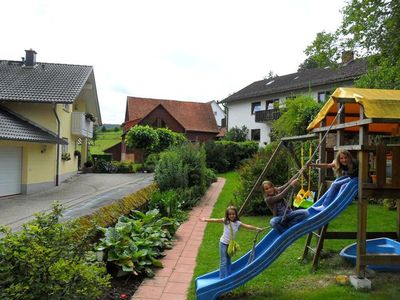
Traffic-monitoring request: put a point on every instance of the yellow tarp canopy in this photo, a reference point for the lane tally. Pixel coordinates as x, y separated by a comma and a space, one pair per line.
377, 103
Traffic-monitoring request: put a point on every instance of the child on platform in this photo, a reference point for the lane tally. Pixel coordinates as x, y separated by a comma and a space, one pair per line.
345, 168
231, 219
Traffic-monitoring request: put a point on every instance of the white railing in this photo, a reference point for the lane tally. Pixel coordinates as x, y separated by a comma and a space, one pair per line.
81, 126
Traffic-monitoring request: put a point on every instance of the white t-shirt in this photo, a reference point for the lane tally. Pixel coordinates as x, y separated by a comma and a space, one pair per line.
226, 236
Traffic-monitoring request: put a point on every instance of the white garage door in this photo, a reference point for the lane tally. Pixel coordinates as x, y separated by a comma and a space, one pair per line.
10, 170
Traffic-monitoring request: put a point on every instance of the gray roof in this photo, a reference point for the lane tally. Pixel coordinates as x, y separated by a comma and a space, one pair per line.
301, 80
17, 128
45, 82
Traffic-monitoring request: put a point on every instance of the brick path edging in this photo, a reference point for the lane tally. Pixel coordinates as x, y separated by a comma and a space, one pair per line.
173, 281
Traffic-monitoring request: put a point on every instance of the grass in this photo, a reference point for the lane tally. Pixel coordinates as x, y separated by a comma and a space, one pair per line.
288, 277
105, 140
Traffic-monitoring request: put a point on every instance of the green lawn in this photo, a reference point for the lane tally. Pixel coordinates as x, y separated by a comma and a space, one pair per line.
289, 278
105, 140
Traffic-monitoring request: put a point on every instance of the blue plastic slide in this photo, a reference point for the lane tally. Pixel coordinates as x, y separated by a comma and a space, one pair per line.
210, 286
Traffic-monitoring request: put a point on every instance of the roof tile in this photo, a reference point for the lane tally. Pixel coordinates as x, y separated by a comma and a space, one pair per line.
193, 116
46, 82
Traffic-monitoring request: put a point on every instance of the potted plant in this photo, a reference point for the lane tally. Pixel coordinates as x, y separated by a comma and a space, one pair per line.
66, 156
90, 117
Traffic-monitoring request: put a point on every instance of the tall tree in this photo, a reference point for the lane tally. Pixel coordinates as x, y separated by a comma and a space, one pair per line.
323, 52
373, 27
370, 28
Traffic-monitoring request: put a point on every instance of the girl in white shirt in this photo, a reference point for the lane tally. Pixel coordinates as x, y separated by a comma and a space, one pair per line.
231, 218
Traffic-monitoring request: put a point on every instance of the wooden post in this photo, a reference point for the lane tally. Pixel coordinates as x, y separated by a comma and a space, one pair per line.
340, 120
362, 216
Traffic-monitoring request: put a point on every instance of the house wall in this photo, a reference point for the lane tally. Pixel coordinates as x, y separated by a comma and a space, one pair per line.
39, 169
38, 165
160, 113
239, 112
218, 112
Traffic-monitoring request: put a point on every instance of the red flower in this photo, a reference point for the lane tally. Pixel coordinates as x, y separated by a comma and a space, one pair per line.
124, 296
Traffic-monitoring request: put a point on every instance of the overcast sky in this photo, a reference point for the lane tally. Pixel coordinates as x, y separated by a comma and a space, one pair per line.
168, 49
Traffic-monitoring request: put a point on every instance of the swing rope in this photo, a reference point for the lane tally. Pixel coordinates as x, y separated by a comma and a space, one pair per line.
288, 201
253, 250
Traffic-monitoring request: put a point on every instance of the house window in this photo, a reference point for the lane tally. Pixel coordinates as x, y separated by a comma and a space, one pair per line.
255, 106
272, 104
323, 96
255, 135
64, 148
158, 123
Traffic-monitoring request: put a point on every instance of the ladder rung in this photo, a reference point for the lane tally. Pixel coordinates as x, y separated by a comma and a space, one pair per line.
316, 234
311, 249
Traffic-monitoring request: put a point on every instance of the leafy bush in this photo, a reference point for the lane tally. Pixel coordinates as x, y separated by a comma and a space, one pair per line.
151, 162
216, 157
296, 116
236, 134
46, 260
102, 166
210, 176
125, 166
279, 172
170, 172
135, 244
223, 156
168, 204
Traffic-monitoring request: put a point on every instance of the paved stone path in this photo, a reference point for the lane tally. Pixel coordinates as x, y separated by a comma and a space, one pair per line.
173, 281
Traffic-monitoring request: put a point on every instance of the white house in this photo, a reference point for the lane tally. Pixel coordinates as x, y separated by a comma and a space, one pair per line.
219, 113
255, 106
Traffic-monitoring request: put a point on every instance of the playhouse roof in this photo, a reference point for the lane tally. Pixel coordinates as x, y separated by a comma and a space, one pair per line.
381, 107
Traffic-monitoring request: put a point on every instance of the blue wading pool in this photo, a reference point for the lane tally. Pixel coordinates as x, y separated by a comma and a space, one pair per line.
383, 246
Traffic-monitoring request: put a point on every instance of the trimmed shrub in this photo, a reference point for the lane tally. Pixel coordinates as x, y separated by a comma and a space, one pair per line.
142, 137
108, 215
223, 156
216, 157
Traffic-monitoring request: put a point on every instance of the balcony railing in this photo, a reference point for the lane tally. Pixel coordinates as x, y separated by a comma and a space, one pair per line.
81, 126
267, 115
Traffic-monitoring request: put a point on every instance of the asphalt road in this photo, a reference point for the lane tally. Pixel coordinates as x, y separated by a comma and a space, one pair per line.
80, 195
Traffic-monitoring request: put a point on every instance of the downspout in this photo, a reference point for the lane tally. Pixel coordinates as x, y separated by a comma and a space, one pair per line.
58, 144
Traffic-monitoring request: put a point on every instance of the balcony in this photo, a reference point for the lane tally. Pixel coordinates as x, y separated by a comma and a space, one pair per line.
267, 115
81, 126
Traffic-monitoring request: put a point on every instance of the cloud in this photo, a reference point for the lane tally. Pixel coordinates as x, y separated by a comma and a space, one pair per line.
176, 49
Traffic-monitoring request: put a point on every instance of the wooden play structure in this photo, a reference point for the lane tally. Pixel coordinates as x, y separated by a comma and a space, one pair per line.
368, 125
367, 116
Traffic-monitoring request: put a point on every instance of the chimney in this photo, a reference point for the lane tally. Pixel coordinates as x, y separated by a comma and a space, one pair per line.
347, 56
30, 60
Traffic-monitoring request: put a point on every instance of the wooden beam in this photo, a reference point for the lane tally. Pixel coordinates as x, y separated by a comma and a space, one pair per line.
344, 125
305, 137
347, 235
381, 259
